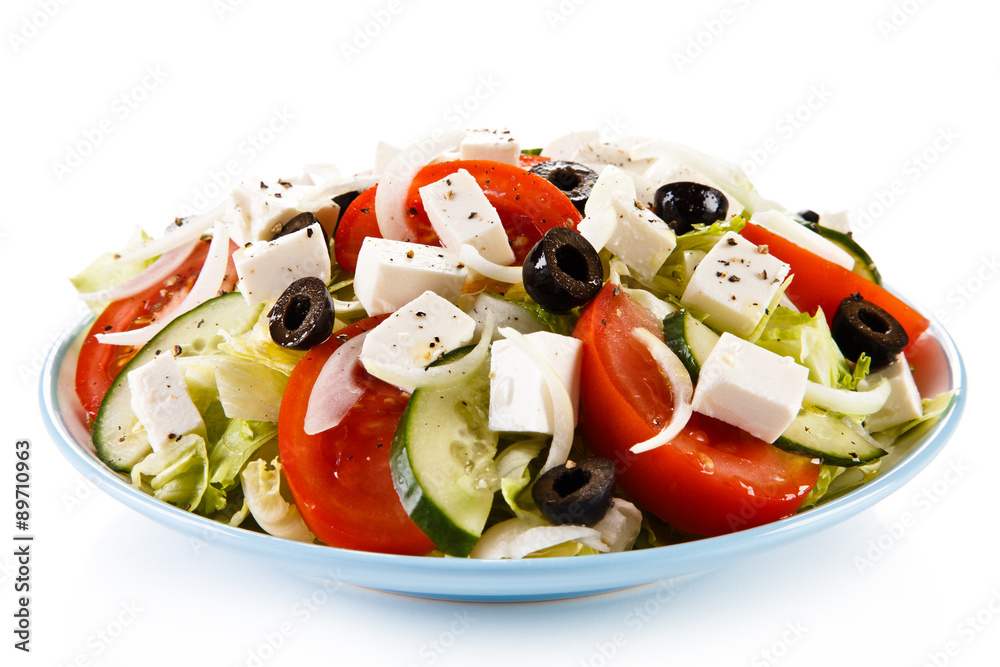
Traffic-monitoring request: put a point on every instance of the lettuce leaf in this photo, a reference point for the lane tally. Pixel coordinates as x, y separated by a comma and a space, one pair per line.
106, 271
273, 513
807, 339
177, 474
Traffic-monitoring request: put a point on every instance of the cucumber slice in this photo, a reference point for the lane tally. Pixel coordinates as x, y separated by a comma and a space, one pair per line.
825, 437
442, 460
863, 264
195, 332
690, 339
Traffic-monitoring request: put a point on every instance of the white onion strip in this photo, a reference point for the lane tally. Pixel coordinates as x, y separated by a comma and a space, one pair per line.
848, 402
435, 377
335, 391
213, 271
469, 256
562, 405
191, 230
390, 198
153, 274
680, 387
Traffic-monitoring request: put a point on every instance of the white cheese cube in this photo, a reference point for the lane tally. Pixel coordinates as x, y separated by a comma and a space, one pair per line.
390, 274
734, 284
460, 213
802, 236
641, 239
266, 268
692, 258
254, 211
519, 397
904, 401
749, 387
415, 335
665, 171
161, 402
838, 221
493, 145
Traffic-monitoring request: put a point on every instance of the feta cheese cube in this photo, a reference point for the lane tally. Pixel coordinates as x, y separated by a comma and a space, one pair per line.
749, 387
519, 397
493, 145
665, 171
416, 334
460, 213
904, 401
254, 211
266, 268
641, 239
392, 273
734, 284
161, 402
838, 221
802, 236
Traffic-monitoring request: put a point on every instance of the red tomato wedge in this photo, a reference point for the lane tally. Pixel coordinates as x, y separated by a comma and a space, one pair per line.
528, 206
99, 364
357, 223
710, 480
340, 478
821, 283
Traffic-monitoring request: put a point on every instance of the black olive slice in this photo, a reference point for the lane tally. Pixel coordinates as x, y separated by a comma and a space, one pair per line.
562, 271
861, 326
303, 315
684, 204
809, 216
300, 222
577, 494
574, 179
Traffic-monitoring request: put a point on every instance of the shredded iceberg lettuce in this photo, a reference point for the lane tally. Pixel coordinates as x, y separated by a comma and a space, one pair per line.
177, 474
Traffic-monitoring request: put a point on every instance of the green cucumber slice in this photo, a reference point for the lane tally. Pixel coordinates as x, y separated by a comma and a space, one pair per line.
863, 264
690, 339
823, 436
195, 333
442, 460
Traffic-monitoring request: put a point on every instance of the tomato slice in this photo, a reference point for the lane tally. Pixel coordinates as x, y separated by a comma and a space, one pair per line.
357, 223
528, 206
340, 478
713, 478
821, 283
99, 364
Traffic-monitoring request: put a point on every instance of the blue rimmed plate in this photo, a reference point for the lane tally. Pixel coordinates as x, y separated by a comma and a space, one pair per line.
508, 580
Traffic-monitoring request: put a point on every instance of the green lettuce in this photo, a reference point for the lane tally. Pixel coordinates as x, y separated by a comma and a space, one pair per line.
807, 339
177, 474
272, 511
106, 271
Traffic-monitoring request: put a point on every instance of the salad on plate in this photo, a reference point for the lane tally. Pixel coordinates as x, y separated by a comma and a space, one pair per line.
474, 350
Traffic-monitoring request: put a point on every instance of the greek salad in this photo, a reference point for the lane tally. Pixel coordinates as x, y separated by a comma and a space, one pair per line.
474, 350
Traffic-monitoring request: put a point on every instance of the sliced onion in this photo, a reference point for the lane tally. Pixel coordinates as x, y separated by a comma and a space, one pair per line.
517, 538
680, 387
562, 404
152, 275
390, 198
729, 176
469, 256
848, 402
336, 390
435, 377
322, 195
175, 236
213, 271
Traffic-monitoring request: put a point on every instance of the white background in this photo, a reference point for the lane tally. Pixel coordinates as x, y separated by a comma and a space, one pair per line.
884, 107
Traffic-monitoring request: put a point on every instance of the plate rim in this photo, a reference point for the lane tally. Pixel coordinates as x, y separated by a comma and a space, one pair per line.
492, 580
